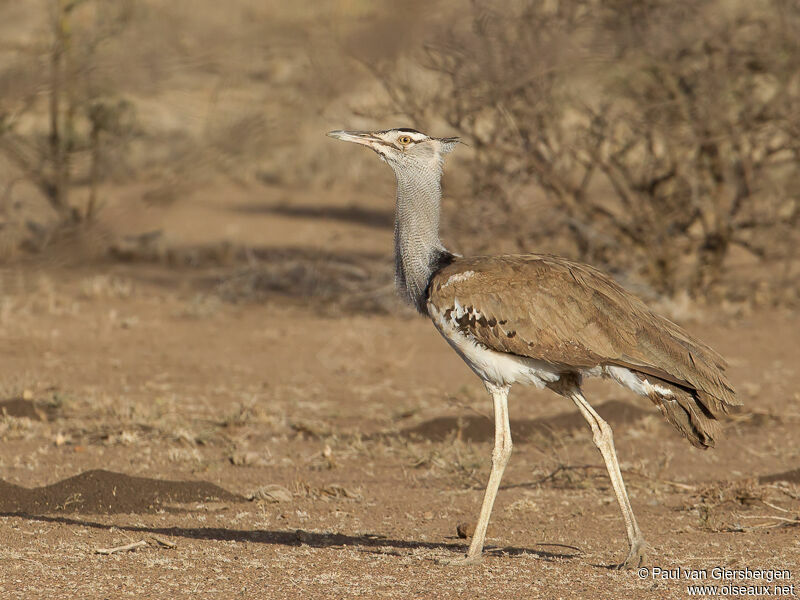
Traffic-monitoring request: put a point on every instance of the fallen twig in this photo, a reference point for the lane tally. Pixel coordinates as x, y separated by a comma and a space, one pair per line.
164, 542
125, 548
759, 527
560, 468
783, 490
775, 517
786, 510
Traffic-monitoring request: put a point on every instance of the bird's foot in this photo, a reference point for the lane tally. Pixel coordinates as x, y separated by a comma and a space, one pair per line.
461, 561
637, 555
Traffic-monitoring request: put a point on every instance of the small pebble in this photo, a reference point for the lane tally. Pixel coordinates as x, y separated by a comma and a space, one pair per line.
465, 530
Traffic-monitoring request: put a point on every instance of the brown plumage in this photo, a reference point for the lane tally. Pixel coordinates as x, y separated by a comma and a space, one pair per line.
574, 317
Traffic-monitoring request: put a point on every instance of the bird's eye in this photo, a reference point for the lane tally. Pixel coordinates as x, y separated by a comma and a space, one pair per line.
404, 139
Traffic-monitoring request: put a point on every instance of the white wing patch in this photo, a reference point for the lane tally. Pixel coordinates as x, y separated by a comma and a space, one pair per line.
499, 368
458, 277
642, 387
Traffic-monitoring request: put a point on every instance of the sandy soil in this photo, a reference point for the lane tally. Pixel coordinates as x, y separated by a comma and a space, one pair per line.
280, 445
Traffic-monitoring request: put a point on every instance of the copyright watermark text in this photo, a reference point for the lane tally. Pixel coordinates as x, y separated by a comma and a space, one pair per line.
724, 581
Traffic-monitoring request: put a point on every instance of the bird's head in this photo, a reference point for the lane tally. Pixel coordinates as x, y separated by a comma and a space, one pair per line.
402, 148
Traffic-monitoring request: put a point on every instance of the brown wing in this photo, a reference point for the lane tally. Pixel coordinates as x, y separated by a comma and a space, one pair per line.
571, 315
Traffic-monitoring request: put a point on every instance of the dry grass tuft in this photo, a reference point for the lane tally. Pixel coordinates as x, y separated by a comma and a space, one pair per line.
744, 492
272, 493
106, 287
251, 459
461, 462
327, 492
20, 428
248, 413
720, 506
337, 285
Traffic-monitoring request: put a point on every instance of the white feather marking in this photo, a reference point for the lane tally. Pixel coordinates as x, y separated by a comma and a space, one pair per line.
642, 387
593, 372
490, 365
659, 389
458, 310
458, 277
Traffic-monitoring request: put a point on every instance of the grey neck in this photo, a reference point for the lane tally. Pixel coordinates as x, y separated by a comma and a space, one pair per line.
418, 252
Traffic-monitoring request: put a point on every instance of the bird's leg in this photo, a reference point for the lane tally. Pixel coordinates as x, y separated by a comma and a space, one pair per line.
603, 439
500, 456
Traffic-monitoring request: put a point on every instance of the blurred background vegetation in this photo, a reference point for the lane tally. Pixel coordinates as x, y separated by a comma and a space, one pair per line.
656, 139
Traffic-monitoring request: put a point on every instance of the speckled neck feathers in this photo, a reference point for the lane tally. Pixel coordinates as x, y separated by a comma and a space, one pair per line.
418, 252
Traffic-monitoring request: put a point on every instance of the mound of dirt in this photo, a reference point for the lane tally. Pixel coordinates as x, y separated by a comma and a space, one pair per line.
473, 428
101, 491
21, 408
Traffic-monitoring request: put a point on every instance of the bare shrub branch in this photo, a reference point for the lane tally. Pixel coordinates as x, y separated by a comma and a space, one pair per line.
654, 135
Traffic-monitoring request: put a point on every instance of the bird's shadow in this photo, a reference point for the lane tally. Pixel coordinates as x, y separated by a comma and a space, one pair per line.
472, 428
371, 543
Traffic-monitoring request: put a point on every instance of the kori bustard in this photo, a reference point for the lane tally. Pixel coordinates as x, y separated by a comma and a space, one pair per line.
541, 320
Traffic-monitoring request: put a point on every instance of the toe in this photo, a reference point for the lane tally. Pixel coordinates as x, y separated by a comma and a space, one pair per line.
636, 557
461, 561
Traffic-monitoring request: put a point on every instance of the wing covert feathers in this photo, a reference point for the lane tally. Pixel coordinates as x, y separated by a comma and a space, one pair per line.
574, 317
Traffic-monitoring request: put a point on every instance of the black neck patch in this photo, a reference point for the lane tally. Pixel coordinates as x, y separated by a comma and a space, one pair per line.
439, 260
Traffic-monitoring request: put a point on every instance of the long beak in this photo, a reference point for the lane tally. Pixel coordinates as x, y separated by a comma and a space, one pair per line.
364, 138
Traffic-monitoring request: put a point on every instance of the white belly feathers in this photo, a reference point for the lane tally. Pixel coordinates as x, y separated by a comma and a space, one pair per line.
499, 368
504, 369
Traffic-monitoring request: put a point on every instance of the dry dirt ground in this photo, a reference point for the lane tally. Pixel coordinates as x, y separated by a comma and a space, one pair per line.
208, 398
